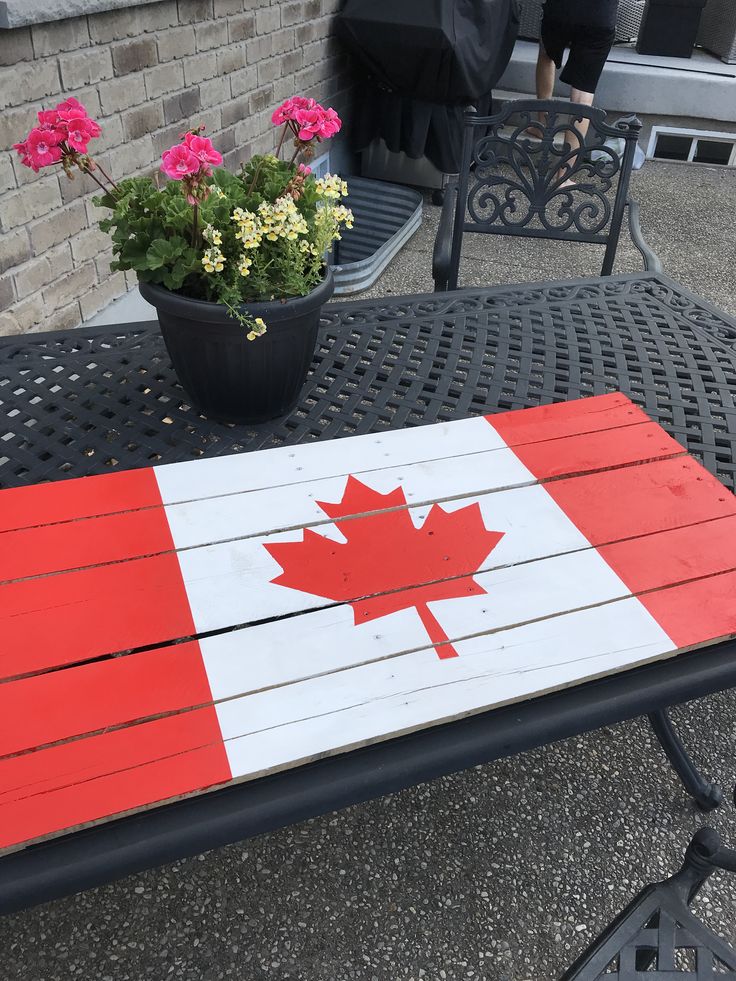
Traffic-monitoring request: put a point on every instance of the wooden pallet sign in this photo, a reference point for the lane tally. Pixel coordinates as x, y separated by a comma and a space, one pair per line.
170, 630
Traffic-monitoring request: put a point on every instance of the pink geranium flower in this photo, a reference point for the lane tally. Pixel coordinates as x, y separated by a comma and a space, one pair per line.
202, 148
309, 123
179, 162
78, 129
40, 149
288, 109
331, 124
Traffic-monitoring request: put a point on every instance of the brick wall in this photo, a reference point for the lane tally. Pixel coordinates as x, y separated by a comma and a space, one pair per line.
145, 74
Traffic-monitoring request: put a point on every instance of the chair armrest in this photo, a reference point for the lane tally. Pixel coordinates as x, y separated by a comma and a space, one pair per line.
652, 262
443, 241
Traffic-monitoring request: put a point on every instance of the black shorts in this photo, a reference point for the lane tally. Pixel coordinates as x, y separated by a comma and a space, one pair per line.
589, 47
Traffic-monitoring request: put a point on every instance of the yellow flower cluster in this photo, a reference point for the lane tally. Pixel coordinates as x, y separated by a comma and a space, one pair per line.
258, 328
343, 215
244, 264
332, 187
282, 219
213, 260
212, 235
249, 228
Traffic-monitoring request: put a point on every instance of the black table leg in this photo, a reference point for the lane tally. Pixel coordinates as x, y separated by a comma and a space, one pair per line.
706, 795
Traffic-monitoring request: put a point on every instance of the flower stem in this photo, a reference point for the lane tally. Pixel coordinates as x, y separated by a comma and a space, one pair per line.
105, 174
195, 225
284, 131
86, 170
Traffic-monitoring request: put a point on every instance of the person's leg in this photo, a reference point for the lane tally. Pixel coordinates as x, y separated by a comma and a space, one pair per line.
545, 73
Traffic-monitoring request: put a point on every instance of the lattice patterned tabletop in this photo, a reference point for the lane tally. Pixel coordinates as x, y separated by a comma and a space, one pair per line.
89, 401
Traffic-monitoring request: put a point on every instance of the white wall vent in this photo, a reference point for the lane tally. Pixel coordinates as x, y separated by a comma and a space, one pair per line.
692, 146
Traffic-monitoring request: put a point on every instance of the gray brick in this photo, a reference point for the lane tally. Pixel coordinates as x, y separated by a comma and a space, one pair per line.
269, 70
283, 40
312, 30
7, 292
211, 34
163, 79
176, 42
258, 48
133, 157
112, 135
89, 244
14, 248
60, 35
80, 185
7, 174
27, 203
23, 316
62, 318
142, 120
183, 105
70, 287
41, 271
134, 56
100, 296
15, 46
261, 99
233, 112
191, 11
85, 68
231, 59
241, 27
224, 8
28, 82
268, 19
198, 68
57, 227
244, 81
291, 62
116, 25
15, 124
122, 93
214, 93
166, 138
225, 140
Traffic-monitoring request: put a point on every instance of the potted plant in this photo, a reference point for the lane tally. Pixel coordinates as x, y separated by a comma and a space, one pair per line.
234, 263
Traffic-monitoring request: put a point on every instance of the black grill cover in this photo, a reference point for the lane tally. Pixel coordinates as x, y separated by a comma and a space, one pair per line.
422, 62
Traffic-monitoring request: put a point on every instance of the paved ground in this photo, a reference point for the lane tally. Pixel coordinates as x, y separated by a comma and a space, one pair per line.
502, 873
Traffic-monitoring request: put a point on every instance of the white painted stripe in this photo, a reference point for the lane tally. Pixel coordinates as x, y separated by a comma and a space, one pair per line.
283, 727
288, 650
196, 479
260, 512
230, 583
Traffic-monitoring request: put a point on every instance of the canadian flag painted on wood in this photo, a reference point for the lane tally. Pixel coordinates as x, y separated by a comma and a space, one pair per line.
169, 630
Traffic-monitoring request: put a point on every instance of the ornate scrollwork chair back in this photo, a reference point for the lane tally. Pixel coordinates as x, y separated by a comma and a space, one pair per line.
535, 170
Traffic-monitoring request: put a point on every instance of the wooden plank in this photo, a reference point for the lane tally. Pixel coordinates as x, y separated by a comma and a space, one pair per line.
343, 710
272, 468
113, 538
196, 479
66, 500
144, 602
63, 704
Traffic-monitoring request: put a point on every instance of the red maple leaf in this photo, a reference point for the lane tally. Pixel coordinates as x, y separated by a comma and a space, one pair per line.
388, 562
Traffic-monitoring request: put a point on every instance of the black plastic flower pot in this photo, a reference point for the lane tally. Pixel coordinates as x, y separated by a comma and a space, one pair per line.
228, 377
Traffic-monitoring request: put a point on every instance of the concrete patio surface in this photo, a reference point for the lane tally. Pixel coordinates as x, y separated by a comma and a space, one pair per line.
504, 872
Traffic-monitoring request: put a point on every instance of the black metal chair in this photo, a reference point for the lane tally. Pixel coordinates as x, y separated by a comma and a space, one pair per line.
512, 183
657, 936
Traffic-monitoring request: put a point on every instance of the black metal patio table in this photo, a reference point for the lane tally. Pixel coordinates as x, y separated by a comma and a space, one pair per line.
91, 401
